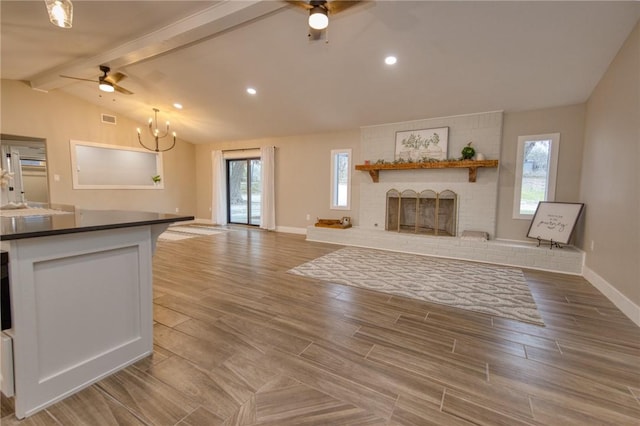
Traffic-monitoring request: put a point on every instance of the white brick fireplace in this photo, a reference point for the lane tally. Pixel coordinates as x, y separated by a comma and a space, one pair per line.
477, 201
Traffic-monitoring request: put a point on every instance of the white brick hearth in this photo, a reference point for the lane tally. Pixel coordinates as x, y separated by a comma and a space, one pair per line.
567, 260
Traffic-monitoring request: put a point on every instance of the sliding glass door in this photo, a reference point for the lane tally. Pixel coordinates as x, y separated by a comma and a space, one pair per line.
244, 191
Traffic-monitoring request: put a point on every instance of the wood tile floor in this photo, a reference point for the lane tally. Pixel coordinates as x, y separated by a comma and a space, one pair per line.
238, 341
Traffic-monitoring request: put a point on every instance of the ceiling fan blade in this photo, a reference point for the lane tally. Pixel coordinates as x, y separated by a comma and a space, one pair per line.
298, 3
337, 6
115, 77
122, 90
78, 78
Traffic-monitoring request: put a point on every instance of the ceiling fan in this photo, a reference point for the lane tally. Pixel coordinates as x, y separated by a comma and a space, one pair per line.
319, 10
106, 82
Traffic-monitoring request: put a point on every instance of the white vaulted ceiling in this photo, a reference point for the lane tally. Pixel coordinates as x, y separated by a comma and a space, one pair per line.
453, 58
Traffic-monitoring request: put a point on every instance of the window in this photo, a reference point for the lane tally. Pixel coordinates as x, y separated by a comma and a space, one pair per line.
101, 166
536, 167
341, 179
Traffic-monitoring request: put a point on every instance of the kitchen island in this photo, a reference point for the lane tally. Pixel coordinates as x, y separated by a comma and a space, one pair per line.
80, 297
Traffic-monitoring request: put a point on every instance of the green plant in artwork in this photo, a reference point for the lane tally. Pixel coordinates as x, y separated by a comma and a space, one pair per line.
156, 179
416, 141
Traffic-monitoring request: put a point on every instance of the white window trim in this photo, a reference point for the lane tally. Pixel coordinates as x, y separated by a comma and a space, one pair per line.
332, 205
553, 171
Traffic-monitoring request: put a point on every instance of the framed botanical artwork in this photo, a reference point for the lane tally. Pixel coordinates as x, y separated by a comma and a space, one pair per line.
422, 145
554, 222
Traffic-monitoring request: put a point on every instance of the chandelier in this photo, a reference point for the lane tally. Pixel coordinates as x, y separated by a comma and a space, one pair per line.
156, 134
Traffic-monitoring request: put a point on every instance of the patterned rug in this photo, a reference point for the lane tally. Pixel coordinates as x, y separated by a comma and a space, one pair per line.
490, 289
182, 232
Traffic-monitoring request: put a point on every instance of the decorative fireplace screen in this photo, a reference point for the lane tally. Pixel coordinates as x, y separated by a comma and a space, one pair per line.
427, 212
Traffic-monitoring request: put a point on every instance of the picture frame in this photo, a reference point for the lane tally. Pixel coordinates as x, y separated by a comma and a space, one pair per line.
554, 222
414, 146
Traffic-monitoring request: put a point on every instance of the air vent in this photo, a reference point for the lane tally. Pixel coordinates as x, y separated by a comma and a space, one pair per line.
108, 119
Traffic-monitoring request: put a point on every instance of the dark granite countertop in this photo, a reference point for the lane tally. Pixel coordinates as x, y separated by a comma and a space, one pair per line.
79, 220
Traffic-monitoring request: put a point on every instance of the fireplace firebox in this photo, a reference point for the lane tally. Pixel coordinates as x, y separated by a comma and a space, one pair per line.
427, 212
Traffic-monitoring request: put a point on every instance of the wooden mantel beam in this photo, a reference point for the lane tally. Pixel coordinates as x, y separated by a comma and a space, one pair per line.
472, 165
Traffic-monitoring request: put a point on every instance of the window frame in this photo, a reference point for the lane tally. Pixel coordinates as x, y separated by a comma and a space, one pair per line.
334, 179
550, 190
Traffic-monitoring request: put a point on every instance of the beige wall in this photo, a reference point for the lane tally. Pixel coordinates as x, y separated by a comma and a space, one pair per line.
610, 184
59, 117
302, 176
569, 122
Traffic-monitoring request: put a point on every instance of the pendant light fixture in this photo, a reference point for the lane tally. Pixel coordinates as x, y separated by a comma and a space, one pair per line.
156, 134
60, 12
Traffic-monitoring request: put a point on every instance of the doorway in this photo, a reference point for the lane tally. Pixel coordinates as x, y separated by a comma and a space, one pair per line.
244, 190
26, 158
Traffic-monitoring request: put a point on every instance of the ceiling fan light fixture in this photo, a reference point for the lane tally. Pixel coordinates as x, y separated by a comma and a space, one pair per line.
106, 86
60, 12
318, 18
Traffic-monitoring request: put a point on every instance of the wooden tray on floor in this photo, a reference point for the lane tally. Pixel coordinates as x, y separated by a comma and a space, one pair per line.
333, 223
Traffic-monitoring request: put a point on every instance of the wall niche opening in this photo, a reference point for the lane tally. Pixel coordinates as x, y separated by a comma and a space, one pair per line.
426, 213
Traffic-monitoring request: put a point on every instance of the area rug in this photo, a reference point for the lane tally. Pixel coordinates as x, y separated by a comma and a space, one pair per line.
490, 289
183, 232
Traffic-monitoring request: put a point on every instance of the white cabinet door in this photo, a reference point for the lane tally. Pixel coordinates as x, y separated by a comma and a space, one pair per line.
82, 309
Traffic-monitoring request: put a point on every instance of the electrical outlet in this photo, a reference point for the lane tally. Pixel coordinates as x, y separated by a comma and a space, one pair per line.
56, 178
177, 210
308, 216
593, 245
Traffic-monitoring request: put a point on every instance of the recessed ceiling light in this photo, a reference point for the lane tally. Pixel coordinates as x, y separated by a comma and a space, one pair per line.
251, 91
390, 60
177, 105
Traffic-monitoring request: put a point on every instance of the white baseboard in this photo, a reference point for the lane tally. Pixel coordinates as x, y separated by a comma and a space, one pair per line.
285, 229
622, 302
291, 230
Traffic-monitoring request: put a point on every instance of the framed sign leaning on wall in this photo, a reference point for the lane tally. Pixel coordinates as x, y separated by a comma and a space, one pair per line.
554, 222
